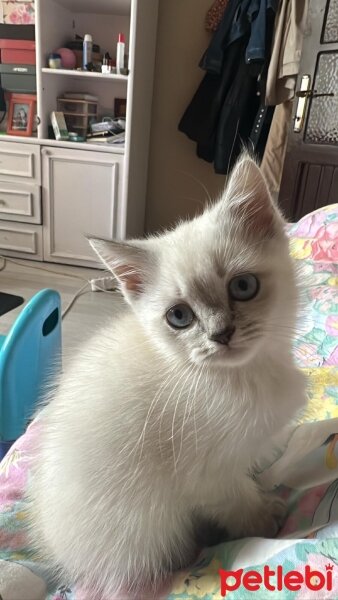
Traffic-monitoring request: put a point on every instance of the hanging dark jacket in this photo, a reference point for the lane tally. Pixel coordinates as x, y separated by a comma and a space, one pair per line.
222, 112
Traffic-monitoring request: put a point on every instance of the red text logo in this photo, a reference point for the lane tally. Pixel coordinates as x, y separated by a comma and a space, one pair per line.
276, 579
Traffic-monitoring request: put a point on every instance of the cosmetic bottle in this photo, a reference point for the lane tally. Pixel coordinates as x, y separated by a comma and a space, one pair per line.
120, 51
87, 50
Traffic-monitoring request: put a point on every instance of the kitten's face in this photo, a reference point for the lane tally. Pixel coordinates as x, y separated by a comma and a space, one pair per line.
218, 300
216, 289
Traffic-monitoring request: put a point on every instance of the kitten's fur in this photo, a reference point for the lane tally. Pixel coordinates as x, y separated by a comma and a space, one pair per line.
151, 428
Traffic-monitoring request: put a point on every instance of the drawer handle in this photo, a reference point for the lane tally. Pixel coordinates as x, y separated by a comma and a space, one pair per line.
2, 203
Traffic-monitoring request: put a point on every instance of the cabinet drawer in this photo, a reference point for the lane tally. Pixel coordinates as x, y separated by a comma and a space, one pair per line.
20, 161
20, 202
20, 239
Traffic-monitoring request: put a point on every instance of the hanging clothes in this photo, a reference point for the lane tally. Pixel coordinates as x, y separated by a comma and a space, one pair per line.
215, 15
290, 26
222, 112
275, 149
287, 44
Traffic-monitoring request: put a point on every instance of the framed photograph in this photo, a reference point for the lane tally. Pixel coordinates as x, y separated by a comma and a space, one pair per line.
120, 108
21, 114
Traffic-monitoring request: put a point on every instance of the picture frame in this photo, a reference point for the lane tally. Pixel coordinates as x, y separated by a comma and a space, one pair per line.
21, 114
120, 108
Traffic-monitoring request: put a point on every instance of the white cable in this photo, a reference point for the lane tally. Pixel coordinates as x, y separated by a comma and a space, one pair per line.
77, 295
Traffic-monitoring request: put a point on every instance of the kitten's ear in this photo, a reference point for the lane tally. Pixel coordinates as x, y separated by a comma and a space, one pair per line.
128, 262
247, 198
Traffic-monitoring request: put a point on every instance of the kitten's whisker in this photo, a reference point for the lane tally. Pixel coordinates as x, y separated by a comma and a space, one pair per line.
193, 199
232, 149
193, 404
204, 188
166, 404
174, 415
152, 406
184, 416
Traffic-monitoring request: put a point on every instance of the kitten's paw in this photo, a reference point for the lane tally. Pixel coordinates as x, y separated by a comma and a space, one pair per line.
264, 523
270, 519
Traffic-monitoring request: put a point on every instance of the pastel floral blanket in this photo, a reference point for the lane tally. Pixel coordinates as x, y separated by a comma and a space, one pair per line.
302, 563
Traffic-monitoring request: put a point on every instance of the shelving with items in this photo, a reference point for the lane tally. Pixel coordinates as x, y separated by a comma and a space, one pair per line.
71, 20
96, 187
104, 91
18, 76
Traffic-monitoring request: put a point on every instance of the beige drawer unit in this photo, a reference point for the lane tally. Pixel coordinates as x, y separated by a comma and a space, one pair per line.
20, 162
20, 202
21, 239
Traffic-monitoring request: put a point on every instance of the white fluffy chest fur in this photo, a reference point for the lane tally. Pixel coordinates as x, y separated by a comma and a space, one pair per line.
184, 422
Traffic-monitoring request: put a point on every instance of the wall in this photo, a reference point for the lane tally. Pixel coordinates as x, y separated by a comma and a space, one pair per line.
172, 190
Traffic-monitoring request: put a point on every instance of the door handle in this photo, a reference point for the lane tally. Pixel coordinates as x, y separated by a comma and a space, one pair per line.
302, 102
312, 94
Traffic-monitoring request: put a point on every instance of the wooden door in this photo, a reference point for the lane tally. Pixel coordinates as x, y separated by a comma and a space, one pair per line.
310, 175
80, 197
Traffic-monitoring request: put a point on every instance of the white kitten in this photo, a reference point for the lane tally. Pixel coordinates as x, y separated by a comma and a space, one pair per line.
157, 424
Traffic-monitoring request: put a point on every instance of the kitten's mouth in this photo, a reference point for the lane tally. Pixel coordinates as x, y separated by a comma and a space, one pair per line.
235, 353
229, 349
232, 354
222, 354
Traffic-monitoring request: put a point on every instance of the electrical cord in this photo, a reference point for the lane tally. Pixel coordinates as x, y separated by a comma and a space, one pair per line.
80, 292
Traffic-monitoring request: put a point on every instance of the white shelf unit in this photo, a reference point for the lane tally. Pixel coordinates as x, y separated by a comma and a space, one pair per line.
85, 74
119, 174
57, 22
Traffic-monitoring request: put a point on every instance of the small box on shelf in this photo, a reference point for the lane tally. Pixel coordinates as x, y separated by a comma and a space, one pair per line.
20, 79
17, 52
78, 113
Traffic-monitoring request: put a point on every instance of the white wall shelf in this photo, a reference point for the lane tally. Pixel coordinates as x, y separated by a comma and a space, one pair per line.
84, 74
86, 146
57, 144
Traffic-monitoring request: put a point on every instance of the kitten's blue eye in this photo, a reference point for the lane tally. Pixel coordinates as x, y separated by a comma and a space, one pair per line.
180, 316
243, 287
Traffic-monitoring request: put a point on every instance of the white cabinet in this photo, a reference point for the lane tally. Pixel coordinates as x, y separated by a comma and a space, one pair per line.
86, 188
80, 196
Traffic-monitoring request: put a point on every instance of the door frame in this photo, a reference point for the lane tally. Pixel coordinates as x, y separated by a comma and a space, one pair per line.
300, 155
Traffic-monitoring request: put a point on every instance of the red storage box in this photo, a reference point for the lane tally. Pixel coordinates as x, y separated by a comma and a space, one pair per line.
17, 52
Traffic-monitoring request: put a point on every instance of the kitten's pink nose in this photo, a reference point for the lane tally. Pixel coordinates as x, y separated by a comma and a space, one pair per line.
224, 336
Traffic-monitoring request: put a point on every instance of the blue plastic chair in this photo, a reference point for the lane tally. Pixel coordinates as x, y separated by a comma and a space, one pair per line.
30, 355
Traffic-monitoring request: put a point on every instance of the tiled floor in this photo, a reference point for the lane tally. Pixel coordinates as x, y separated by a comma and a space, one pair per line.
90, 311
